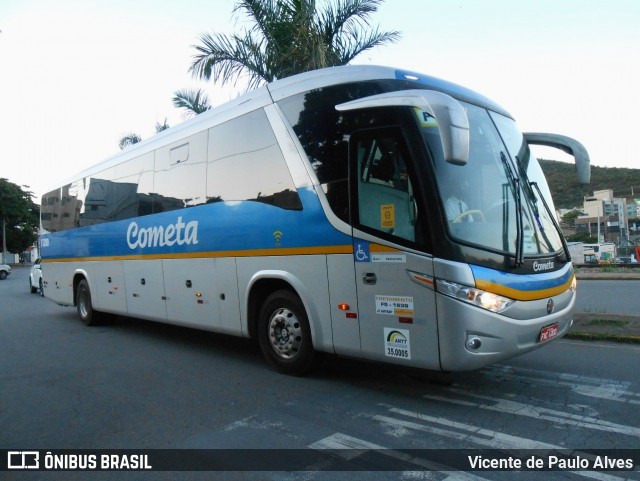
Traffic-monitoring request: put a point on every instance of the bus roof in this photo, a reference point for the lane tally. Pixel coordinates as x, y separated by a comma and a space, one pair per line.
278, 90
316, 79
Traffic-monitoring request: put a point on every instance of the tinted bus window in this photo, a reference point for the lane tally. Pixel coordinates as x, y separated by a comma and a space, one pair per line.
245, 163
324, 134
180, 174
385, 194
50, 211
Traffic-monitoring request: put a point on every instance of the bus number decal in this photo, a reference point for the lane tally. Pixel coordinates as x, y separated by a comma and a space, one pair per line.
397, 343
394, 306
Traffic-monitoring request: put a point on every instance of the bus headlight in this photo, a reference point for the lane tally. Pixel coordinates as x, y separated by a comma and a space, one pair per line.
471, 295
574, 284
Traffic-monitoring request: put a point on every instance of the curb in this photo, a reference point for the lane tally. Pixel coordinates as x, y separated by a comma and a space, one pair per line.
594, 326
608, 276
589, 326
590, 336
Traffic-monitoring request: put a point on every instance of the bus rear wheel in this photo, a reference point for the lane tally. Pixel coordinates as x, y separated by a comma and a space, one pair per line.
83, 304
284, 334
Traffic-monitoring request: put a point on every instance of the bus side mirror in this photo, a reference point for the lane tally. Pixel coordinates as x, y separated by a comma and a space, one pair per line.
451, 117
567, 145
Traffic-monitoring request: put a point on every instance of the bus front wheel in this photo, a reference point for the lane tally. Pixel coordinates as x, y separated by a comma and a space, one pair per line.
83, 303
284, 334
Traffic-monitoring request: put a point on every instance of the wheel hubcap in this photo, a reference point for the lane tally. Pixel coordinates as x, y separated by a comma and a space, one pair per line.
82, 304
285, 333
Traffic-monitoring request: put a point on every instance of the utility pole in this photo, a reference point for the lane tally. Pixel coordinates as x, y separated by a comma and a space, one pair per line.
4, 240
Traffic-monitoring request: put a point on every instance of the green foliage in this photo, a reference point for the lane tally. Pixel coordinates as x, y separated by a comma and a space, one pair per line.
21, 216
582, 237
129, 139
607, 322
571, 216
162, 126
568, 193
289, 37
193, 102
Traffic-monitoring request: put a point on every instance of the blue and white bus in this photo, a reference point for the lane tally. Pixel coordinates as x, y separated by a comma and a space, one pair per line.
363, 211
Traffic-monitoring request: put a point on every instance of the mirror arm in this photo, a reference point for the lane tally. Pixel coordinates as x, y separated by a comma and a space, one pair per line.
567, 145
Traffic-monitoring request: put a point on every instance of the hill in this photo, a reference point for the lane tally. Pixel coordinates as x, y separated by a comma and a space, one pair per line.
568, 193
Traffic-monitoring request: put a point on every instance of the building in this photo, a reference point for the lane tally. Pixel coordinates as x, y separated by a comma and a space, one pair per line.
608, 217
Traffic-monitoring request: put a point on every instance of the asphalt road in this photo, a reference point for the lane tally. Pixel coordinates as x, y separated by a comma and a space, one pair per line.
138, 385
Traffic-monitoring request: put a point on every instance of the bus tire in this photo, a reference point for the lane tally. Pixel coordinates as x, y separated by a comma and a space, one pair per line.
83, 304
284, 334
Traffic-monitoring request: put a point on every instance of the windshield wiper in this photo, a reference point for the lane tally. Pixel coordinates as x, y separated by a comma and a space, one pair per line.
515, 185
565, 247
523, 175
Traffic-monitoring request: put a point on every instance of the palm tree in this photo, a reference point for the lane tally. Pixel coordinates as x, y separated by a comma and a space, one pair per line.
193, 102
162, 126
133, 138
289, 37
129, 139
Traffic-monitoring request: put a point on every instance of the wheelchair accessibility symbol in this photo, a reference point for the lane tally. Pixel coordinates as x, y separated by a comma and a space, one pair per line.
361, 252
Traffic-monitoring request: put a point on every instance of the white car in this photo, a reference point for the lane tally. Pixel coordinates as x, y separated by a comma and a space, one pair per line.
5, 270
35, 278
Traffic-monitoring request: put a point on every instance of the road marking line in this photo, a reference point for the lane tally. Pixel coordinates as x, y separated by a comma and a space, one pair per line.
341, 442
483, 437
463, 432
587, 386
513, 407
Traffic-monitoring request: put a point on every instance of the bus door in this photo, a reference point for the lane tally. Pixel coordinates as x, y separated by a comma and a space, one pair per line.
394, 282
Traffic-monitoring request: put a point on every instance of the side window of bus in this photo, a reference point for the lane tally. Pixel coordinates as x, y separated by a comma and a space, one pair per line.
323, 133
384, 194
245, 163
180, 174
50, 210
116, 193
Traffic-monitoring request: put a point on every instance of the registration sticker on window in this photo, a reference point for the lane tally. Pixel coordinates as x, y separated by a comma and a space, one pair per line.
549, 332
388, 216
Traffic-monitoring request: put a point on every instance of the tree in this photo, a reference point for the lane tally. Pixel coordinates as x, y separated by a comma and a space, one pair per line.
19, 217
133, 138
162, 126
129, 139
582, 237
193, 102
571, 216
289, 37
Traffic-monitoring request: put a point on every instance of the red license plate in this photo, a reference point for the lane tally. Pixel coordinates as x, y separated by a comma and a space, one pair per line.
549, 332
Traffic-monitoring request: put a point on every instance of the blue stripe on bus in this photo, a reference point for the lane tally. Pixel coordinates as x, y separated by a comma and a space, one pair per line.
222, 226
523, 287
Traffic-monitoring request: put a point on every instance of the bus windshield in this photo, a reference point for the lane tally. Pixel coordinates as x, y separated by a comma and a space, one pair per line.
494, 201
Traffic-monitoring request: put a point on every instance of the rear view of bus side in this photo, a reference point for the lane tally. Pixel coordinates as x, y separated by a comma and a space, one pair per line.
363, 211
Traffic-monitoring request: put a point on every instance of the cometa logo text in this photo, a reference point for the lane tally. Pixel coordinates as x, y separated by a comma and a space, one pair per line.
178, 233
542, 266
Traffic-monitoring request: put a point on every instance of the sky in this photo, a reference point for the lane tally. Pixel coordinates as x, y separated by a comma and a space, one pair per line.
78, 75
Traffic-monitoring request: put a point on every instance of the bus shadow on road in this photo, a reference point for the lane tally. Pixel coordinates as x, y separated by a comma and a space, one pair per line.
229, 349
